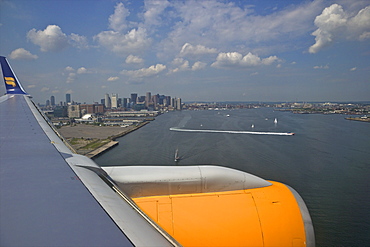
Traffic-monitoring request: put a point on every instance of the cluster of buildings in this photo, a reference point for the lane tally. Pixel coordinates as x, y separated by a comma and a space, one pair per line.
112, 103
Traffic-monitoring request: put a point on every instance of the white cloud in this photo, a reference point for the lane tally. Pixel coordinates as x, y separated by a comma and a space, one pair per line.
335, 24
69, 69
21, 53
198, 65
189, 49
117, 21
50, 39
235, 59
134, 59
53, 39
78, 41
71, 77
321, 67
45, 89
113, 78
82, 70
181, 64
226, 25
153, 10
134, 41
353, 69
145, 72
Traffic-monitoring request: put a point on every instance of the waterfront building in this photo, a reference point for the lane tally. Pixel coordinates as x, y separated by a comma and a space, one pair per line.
178, 104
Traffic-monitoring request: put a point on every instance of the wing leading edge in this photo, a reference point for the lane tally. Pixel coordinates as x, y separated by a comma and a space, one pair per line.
50, 196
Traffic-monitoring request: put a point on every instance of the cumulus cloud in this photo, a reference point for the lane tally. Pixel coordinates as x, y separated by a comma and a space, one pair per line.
117, 21
22, 53
226, 24
153, 11
113, 78
82, 70
334, 23
235, 59
189, 49
53, 39
134, 41
134, 59
72, 73
78, 41
198, 65
50, 39
69, 69
181, 64
145, 72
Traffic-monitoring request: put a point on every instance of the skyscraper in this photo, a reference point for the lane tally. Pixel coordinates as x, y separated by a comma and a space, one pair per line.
148, 99
133, 98
114, 100
68, 98
178, 104
52, 101
107, 101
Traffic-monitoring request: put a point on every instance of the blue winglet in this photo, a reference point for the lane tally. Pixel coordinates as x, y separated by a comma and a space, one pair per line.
12, 84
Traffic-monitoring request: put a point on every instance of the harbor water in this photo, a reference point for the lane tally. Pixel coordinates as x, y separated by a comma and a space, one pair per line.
327, 160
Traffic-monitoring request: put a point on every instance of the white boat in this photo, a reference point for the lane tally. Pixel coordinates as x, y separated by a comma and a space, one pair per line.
177, 157
252, 126
275, 121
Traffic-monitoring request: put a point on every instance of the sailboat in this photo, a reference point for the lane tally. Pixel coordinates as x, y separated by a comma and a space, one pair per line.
177, 157
275, 121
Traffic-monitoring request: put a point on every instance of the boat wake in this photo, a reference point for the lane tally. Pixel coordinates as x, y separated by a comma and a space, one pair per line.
233, 132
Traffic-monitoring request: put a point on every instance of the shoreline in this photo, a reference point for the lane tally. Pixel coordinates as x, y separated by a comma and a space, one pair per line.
93, 141
113, 142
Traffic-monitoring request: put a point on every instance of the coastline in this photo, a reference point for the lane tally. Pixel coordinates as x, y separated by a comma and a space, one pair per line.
92, 141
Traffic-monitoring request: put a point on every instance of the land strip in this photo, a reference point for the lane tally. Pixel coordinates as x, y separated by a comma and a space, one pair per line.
92, 140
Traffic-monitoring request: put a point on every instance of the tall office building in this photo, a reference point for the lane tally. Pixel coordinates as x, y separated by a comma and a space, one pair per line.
114, 100
68, 98
148, 99
178, 104
107, 102
52, 101
133, 98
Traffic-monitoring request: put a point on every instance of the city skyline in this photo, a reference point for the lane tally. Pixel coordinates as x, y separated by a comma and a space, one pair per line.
271, 51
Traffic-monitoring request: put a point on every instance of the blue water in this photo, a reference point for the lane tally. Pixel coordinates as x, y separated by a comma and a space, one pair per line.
327, 160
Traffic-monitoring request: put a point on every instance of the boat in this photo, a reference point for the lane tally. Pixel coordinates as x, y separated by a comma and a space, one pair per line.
275, 121
252, 126
177, 157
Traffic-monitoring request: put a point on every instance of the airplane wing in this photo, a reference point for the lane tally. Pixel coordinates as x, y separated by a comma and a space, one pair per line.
50, 196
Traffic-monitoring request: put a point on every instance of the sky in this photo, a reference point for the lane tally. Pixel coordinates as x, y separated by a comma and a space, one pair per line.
219, 50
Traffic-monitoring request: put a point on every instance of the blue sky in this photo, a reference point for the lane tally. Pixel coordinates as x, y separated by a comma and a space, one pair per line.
197, 50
